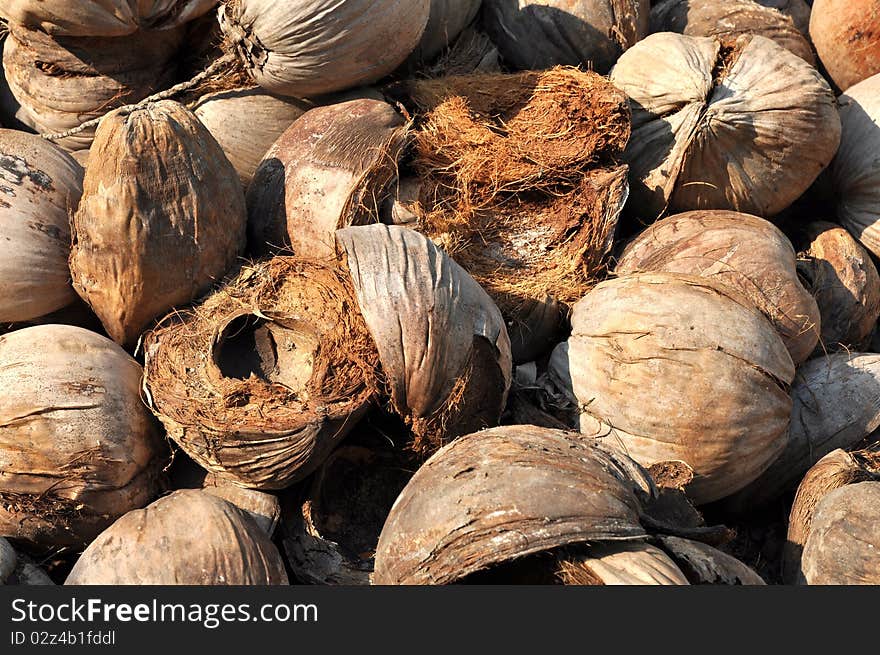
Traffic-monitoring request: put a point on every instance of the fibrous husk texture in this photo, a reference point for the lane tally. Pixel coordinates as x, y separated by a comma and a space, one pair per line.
491, 497
62, 82
845, 35
703, 564
39, 185
677, 367
308, 48
539, 35
729, 19
102, 17
78, 447
619, 563
737, 250
161, 220
446, 21
723, 124
188, 538
330, 169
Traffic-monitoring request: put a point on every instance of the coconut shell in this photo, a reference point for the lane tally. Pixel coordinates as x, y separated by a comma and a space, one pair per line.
305, 49
39, 184
845, 34
539, 35
742, 124
161, 220
263, 508
77, 446
845, 284
626, 563
330, 169
188, 538
491, 497
677, 367
446, 21
703, 564
728, 20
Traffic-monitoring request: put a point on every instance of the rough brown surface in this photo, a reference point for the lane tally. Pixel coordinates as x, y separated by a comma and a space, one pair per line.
846, 34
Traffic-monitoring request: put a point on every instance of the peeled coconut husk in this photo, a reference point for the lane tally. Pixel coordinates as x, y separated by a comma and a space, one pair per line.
260, 381
677, 367
161, 220
845, 284
495, 496
845, 33
738, 124
79, 449
187, 538
330, 169
446, 21
703, 564
834, 471
539, 35
730, 19
737, 250
263, 508
836, 404
39, 185
62, 82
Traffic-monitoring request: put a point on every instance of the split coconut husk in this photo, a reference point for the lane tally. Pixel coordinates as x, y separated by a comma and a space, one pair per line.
78, 446
845, 34
263, 508
834, 471
330, 169
703, 564
448, 18
845, 284
161, 220
39, 185
737, 250
540, 35
836, 404
678, 367
730, 19
260, 381
738, 124
158, 545
62, 82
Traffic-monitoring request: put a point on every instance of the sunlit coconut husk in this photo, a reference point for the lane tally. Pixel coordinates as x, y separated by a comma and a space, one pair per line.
263, 508
845, 35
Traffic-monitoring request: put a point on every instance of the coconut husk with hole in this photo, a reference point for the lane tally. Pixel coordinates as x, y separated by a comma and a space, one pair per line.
738, 124
835, 470
729, 19
161, 220
678, 367
447, 19
589, 33
703, 564
332, 168
158, 545
78, 446
845, 284
741, 251
846, 38
39, 185
263, 508
62, 82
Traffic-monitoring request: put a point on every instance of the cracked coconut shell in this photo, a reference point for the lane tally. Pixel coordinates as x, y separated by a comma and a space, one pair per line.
846, 34
188, 538
39, 185
162, 217
738, 124
678, 367
78, 449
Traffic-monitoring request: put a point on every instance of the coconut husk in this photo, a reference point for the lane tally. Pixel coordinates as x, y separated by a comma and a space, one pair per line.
159, 179
263, 508
844, 34
626, 563
472, 52
797, 10
39, 185
8, 560
703, 564
157, 546
741, 251
540, 35
730, 19
743, 125
844, 282
447, 19
677, 367
18, 568
78, 446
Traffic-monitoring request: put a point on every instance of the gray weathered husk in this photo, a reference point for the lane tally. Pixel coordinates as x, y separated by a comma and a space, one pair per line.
703, 564
446, 21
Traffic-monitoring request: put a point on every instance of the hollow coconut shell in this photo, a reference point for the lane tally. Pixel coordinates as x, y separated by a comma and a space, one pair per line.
744, 252
39, 185
77, 446
491, 497
305, 49
161, 220
738, 124
158, 545
846, 38
539, 35
677, 367
260, 381
728, 20
445, 22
